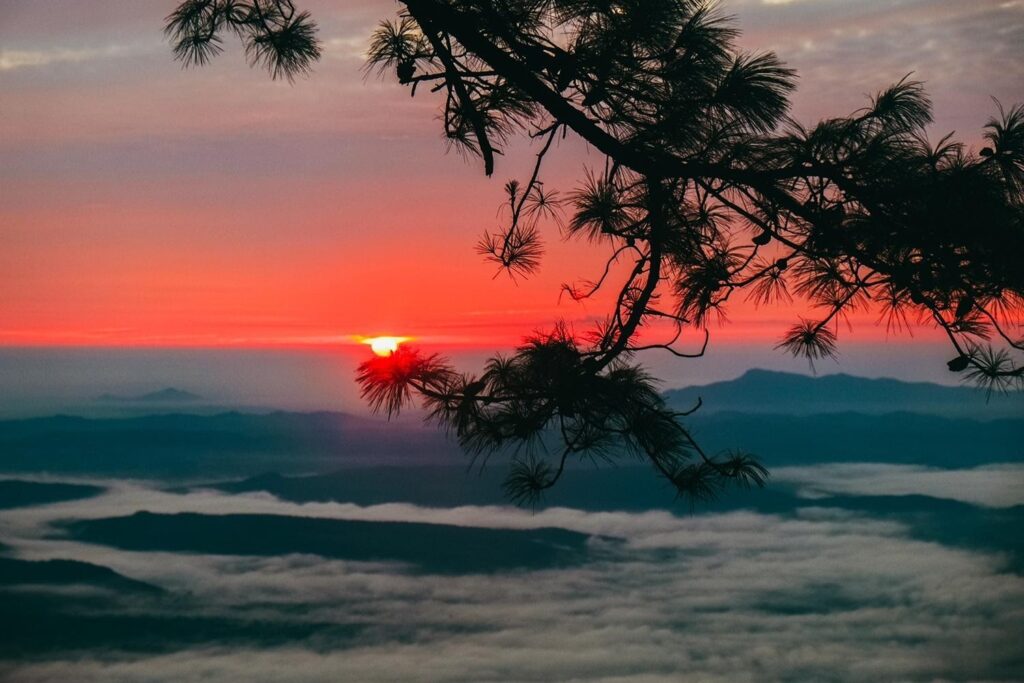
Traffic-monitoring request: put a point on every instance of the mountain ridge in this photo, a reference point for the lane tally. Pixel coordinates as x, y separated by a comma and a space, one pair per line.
165, 395
760, 391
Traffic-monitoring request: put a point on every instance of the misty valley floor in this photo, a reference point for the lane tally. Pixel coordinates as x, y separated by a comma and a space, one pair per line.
286, 578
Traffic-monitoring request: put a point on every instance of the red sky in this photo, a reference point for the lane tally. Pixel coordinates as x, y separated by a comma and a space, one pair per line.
145, 205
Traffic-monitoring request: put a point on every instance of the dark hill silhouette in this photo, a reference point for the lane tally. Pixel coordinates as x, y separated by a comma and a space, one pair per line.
137, 618
632, 488
765, 391
167, 395
432, 548
16, 493
15, 572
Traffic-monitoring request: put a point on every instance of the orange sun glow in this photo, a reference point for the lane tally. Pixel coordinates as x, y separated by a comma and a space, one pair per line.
384, 346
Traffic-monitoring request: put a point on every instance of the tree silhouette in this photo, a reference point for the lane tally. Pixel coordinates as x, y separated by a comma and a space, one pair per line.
708, 190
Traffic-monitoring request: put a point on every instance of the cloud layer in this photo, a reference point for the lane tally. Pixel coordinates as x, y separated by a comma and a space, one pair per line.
819, 595
989, 486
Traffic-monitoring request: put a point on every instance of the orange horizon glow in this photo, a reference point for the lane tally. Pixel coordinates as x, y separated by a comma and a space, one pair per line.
213, 208
750, 328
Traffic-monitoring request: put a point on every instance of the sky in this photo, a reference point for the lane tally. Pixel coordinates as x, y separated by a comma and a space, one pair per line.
216, 231
146, 205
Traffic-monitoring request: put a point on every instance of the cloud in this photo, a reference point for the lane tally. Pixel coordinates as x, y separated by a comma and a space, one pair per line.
822, 595
990, 486
20, 59
964, 51
347, 47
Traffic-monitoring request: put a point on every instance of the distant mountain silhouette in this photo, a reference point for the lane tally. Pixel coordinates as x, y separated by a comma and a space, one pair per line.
240, 444
782, 393
184, 445
900, 437
167, 395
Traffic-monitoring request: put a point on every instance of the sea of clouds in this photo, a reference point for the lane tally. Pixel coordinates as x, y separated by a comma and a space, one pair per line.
822, 595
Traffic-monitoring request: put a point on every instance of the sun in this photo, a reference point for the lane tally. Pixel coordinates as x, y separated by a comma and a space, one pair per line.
384, 346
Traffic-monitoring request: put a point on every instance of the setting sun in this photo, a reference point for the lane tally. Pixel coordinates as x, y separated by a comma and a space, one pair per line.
384, 346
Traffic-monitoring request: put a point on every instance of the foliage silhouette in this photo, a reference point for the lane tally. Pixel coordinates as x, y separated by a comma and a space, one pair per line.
707, 188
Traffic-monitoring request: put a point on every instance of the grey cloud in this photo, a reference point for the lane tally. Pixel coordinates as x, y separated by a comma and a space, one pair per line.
21, 59
964, 51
